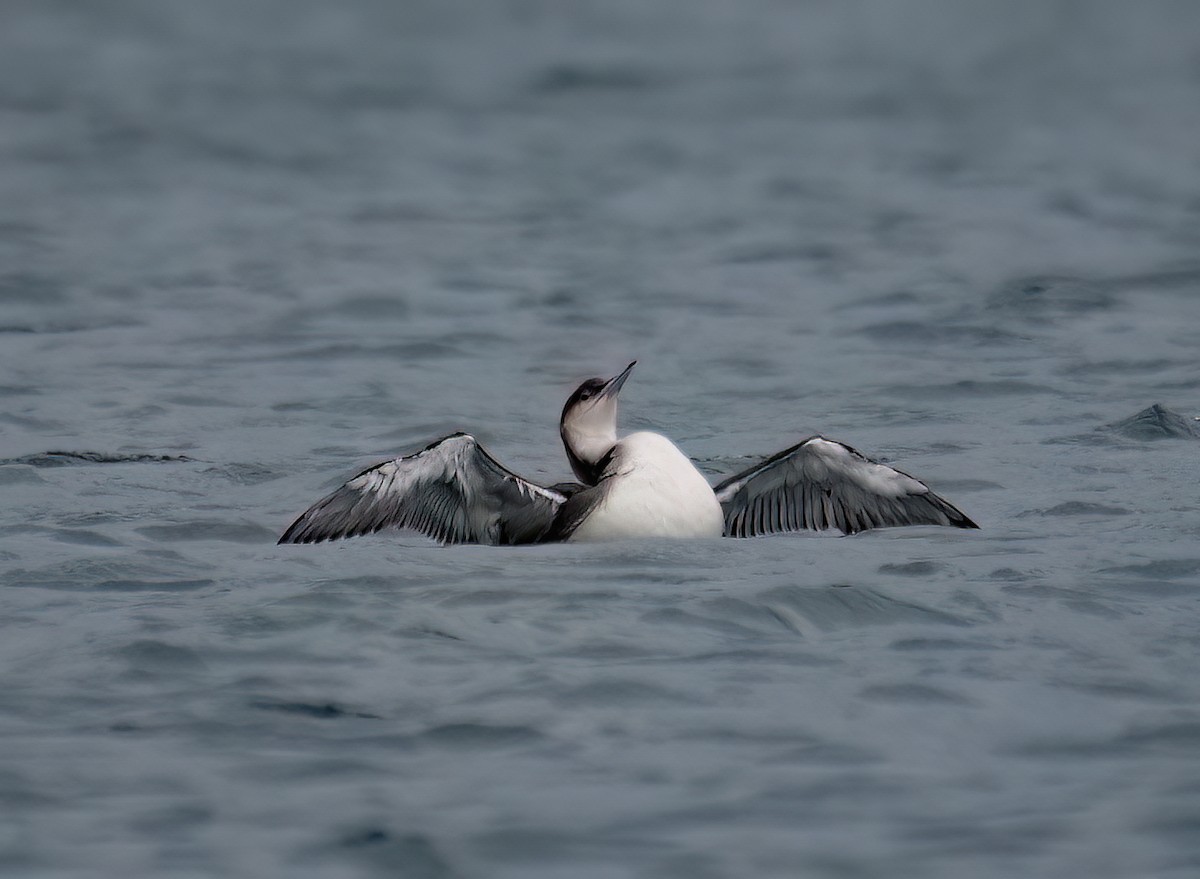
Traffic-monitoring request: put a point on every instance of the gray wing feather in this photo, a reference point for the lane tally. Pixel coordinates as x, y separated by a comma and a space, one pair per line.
452, 491
576, 508
820, 484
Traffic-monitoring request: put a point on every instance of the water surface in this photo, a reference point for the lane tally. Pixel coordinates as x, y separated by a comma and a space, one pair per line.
244, 252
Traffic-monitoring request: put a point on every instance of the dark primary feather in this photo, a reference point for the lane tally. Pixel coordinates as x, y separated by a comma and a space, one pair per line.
820, 484
452, 491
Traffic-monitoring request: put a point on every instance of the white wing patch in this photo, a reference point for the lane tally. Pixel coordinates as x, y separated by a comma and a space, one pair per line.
880, 479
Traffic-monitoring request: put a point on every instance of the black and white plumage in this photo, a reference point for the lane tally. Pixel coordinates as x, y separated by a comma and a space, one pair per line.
640, 485
452, 491
819, 484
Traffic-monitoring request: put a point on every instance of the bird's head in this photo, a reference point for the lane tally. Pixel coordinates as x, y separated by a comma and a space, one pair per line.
589, 423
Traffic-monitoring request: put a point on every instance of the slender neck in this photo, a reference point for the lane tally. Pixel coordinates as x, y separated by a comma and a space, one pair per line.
589, 453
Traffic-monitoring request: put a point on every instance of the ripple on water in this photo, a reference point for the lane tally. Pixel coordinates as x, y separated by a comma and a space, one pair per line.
913, 694
319, 710
970, 388
383, 851
142, 574
1049, 297
1180, 737
832, 608
1163, 569
1079, 508
923, 333
19, 474
84, 537
31, 288
728, 616
125, 585
1130, 688
479, 735
623, 692
149, 656
170, 817
209, 529
826, 754
1171, 738
1156, 422
937, 644
247, 474
912, 569
67, 459
564, 78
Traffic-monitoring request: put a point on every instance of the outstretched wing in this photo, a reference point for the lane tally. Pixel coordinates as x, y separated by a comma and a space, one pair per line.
452, 491
820, 484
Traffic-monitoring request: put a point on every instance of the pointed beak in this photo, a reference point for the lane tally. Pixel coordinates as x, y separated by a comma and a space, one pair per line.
613, 386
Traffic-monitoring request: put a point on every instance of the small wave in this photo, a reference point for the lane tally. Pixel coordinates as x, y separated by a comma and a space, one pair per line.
152, 585
1156, 422
157, 656
1079, 508
912, 569
1179, 737
623, 692
831, 609
913, 694
969, 388
18, 474
84, 537
246, 474
564, 78
386, 852
67, 459
1046, 297
17, 391
320, 710
479, 735
1163, 569
229, 532
937, 333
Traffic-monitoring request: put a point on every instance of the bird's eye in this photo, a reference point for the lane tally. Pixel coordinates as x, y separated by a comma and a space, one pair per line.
586, 395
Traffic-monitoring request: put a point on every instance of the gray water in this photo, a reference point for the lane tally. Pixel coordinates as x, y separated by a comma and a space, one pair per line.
246, 249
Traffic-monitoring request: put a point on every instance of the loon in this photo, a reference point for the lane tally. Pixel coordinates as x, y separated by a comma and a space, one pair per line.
640, 485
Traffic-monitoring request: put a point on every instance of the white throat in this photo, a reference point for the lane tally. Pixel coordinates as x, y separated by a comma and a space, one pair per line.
587, 443
590, 433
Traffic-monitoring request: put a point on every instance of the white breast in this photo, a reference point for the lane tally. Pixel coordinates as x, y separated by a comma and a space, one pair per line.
655, 491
